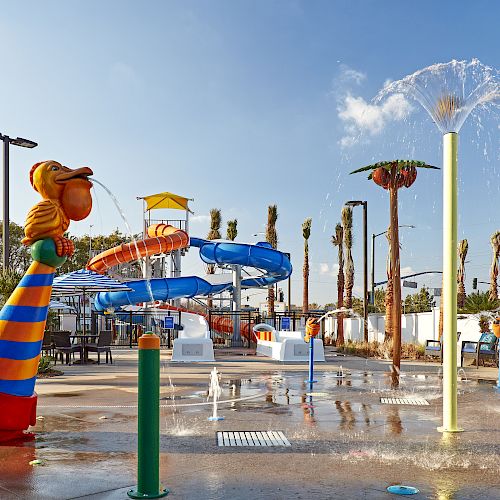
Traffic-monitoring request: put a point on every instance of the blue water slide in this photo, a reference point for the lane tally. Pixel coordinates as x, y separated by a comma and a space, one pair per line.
275, 266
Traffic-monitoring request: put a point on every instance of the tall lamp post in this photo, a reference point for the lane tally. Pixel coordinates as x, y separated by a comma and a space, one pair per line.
355, 203
24, 143
373, 256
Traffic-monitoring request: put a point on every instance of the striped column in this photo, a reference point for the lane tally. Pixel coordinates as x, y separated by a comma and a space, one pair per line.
22, 324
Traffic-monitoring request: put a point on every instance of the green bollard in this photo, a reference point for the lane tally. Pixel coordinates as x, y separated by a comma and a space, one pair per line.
148, 426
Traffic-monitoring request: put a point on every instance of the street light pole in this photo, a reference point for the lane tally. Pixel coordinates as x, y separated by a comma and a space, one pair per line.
6, 215
365, 264
25, 143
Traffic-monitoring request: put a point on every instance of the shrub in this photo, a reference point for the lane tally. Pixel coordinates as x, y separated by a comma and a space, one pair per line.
44, 364
382, 350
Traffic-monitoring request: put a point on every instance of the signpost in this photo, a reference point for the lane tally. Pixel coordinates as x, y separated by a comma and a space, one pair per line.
169, 322
410, 284
285, 323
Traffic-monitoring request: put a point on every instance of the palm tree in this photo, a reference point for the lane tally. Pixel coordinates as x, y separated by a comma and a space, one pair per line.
272, 239
463, 248
232, 229
213, 234
338, 241
306, 233
495, 245
346, 217
480, 302
392, 175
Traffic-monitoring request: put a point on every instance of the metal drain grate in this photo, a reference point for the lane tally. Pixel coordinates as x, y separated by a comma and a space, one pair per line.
405, 401
252, 438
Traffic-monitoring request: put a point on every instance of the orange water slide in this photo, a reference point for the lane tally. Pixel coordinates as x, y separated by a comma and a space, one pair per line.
162, 239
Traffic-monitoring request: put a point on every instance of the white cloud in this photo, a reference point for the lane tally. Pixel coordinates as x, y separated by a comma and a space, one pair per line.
361, 116
348, 75
199, 219
326, 269
323, 268
406, 270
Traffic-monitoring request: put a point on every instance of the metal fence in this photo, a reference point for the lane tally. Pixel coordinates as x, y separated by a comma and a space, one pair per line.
127, 327
221, 325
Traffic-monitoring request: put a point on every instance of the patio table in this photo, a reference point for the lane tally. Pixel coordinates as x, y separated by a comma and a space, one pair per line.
84, 340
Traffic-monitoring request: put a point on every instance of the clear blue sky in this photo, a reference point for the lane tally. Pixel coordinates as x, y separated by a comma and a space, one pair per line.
240, 104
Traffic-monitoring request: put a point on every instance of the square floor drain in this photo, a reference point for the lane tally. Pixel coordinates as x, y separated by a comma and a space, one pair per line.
405, 401
252, 438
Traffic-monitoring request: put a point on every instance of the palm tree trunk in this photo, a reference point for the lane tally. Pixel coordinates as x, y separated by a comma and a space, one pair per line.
305, 274
270, 301
346, 216
461, 295
495, 245
340, 304
396, 274
349, 280
463, 248
389, 300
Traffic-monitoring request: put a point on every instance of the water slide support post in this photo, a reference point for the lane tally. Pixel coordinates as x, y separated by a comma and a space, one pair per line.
236, 306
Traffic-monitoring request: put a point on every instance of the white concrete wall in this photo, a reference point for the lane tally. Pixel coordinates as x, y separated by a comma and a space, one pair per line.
416, 328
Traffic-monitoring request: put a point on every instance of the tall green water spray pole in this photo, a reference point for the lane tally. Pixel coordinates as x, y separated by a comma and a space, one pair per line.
450, 222
148, 422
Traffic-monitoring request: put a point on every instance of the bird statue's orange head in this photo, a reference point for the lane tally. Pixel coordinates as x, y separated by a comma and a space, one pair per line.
71, 187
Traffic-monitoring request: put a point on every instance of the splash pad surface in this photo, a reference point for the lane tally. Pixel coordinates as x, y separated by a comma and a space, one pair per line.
340, 427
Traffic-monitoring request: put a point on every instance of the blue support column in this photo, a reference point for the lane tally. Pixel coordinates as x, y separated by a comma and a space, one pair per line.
311, 362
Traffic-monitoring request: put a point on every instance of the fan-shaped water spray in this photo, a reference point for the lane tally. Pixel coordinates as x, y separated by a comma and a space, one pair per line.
449, 92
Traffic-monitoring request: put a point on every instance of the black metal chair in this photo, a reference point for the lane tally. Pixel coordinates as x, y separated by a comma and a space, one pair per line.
103, 345
63, 345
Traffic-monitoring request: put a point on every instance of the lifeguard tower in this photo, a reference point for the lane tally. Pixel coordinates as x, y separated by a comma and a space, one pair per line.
157, 267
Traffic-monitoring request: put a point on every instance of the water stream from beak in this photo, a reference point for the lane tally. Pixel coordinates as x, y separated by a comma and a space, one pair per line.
128, 228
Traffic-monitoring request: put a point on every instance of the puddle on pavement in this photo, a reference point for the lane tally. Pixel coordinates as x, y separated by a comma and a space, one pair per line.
343, 414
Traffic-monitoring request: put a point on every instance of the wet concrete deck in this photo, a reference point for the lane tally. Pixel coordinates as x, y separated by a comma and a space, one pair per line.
345, 443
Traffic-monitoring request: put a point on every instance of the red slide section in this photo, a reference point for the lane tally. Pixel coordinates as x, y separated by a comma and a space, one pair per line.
218, 323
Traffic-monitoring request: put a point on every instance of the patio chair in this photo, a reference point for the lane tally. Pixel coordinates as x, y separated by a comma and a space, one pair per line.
485, 348
103, 345
434, 349
47, 344
63, 345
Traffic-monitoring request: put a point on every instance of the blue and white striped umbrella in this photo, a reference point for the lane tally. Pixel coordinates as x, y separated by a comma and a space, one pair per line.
61, 306
85, 281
